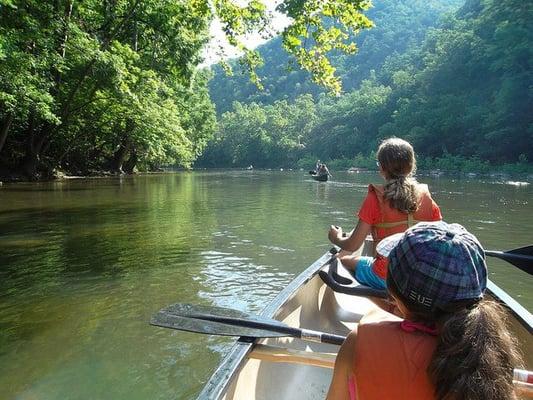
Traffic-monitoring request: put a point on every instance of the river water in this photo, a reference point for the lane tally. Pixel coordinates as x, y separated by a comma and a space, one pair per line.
85, 263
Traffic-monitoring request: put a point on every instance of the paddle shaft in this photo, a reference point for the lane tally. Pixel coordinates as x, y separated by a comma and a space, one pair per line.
304, 334
509, 256
521, 258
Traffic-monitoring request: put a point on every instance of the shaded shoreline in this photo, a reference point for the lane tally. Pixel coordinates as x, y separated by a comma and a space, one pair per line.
518, 178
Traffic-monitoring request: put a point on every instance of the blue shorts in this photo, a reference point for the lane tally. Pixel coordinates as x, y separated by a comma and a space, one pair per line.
365, 274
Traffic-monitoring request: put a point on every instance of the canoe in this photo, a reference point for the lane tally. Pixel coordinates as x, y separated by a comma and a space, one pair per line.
320, 178
289, 368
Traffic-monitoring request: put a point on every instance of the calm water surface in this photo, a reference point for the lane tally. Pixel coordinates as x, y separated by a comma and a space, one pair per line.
85, 263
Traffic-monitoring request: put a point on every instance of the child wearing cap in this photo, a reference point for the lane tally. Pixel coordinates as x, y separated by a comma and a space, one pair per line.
451, 343
386, 210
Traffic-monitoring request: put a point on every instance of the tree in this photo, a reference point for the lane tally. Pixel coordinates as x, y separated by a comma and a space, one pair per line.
114, 84
398, 25
459, 89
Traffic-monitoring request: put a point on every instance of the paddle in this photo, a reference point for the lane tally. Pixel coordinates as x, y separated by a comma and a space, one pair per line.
229, 322
521, 257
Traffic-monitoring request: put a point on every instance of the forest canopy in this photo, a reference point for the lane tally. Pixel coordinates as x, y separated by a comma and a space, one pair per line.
455, 81
114, 84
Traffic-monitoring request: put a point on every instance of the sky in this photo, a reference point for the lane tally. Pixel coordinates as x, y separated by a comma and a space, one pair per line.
211, 56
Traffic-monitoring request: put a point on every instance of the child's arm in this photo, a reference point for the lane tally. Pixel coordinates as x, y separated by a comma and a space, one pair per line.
352, 242
339, 387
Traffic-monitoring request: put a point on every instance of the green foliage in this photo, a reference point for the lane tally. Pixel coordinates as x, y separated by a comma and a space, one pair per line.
397, 25
307, 162
307, 37
262, 136
454, 163
113, 85
340, 164
458, 90
462, 94
308, 26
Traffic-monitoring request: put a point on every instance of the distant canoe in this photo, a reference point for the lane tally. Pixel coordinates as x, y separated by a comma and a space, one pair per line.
320, 178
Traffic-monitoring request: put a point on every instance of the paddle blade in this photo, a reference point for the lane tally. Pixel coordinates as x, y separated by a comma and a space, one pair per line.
170, 321
526, 251
218, 321
521, 258
227, 322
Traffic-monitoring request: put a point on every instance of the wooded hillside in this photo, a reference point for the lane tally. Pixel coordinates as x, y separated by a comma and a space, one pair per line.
457, 85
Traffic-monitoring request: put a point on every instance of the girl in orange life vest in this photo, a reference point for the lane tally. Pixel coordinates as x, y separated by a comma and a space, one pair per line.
386, 210
451, 345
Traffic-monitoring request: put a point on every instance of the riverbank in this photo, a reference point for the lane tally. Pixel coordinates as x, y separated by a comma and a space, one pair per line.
521, 173
55, 175
450, 165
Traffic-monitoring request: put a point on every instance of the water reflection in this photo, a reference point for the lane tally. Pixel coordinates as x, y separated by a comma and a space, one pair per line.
85, 263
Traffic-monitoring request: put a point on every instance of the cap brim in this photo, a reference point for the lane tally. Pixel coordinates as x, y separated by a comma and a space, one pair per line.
387, 244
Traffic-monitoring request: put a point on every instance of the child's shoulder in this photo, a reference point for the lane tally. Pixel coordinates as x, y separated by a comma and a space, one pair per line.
375, 188
422, 187
379, 316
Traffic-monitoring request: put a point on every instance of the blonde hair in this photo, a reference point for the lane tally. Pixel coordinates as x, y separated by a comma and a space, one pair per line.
397, 159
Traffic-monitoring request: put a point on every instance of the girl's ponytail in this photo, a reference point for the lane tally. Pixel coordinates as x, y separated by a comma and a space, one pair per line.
402, 194
475, 355
397, 160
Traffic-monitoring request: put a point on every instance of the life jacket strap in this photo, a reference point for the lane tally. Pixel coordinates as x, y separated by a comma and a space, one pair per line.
409, 222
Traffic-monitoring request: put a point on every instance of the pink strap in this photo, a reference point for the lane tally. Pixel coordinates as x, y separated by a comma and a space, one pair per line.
352, 388
410, 326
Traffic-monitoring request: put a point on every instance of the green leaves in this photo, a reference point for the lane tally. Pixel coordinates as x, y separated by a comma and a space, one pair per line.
320, 28
98, 83
458, 89
316, 29
262, 136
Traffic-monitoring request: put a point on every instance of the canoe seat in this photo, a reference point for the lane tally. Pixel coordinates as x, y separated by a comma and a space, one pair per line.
347, 285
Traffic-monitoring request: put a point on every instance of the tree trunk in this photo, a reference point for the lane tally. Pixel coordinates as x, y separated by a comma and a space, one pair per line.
120, 155
6, 124
129, 166
32, 158
67, 15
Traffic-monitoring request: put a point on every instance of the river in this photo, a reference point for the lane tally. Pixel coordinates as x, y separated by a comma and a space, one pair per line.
84, 263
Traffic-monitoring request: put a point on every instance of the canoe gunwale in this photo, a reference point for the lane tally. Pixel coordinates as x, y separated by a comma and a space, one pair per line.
522, 315
230, 365
320, 178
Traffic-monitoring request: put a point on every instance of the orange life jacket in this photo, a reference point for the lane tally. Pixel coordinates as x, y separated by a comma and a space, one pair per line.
391, 363
394, 221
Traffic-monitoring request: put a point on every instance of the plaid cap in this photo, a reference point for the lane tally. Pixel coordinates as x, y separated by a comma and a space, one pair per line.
435, 264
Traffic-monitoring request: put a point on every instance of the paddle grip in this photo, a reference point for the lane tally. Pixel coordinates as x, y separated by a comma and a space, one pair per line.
333, 339
321, 337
